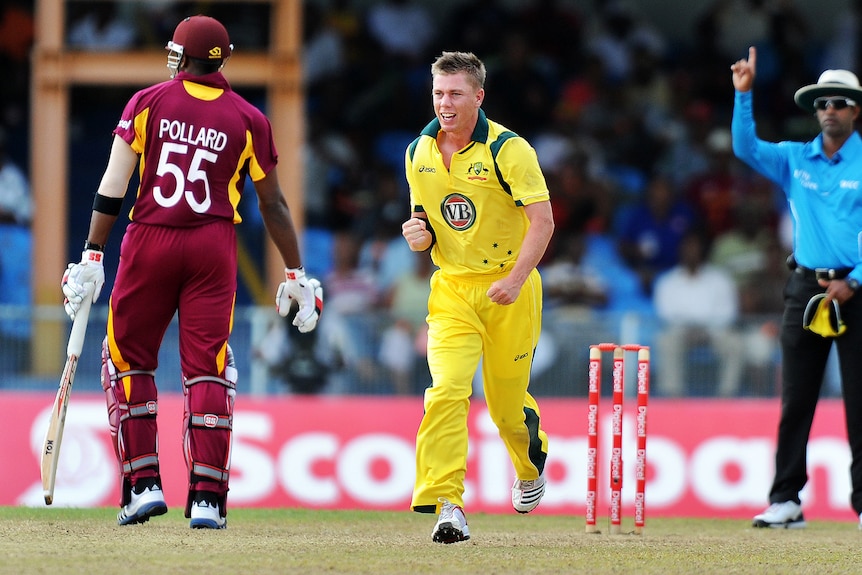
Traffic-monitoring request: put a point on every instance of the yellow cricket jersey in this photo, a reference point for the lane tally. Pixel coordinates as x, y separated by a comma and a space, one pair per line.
476, 206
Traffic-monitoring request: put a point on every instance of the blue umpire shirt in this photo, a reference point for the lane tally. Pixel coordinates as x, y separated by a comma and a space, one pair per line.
824, 194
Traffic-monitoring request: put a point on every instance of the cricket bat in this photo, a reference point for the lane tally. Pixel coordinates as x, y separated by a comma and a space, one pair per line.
54, 436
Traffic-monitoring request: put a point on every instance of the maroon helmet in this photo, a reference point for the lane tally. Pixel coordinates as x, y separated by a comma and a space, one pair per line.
199, 37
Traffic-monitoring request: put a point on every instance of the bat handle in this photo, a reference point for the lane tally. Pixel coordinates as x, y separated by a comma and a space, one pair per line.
79, 325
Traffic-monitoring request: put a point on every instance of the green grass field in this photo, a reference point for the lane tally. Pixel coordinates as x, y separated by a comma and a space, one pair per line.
88, 541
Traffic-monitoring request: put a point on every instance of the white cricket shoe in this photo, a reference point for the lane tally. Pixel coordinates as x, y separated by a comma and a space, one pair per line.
527, 493
451, 525
787, 515
149, 502
205, 513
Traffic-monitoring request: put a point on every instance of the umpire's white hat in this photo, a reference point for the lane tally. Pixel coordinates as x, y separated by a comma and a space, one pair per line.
831, 83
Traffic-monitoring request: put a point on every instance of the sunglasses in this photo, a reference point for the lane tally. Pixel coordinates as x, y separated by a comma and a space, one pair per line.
836, 103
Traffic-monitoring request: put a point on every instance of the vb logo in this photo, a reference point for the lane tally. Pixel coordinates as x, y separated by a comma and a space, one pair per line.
458, 211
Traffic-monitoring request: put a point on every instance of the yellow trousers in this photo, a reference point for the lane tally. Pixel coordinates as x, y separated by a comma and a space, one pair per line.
464, 326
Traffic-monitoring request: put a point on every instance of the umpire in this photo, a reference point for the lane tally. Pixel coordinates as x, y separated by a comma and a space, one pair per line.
822, 180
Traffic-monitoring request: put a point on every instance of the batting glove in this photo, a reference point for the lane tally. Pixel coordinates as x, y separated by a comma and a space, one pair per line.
308, 295
80, 278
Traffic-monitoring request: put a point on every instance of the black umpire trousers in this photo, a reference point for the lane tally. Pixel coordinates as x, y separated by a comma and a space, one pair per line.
804, 356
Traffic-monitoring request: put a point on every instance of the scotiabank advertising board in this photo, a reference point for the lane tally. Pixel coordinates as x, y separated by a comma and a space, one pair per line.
705, 458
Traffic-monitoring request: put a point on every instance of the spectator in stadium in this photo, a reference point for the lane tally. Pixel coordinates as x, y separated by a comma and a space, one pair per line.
383, 253
752, 254
16, 245
403, 343
580, 201
523, 88
403, 29
16, 41
323, 53
685, 154
698, 305
571, 283
349, 334
99, 25
651, 231
822, 183
717, 191
843, 49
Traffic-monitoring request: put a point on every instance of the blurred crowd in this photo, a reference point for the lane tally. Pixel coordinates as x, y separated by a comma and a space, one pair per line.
631, 128
632, 132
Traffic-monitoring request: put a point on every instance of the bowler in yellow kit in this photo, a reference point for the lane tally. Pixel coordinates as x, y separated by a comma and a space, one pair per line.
479, 201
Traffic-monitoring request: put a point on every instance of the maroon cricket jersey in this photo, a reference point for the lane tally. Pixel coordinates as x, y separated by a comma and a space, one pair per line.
198, 140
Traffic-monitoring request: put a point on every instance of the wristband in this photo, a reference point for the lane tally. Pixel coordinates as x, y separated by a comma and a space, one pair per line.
106, 205
88, 245
431, 231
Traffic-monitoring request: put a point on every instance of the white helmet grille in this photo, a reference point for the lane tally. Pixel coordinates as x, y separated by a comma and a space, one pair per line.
175, 55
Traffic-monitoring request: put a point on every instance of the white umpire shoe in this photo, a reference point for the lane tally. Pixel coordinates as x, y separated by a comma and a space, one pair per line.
146, 503
451, 526
205, 513
527, 493
786, 515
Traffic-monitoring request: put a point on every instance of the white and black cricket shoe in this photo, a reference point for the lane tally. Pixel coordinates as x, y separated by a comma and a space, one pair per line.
527, 493
205, 512
451, 526
147, 501
786, 515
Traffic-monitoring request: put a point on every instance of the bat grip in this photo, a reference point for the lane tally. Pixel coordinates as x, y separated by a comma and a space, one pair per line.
79, 325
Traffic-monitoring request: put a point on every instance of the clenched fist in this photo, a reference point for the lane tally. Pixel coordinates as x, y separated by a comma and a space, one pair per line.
415, 231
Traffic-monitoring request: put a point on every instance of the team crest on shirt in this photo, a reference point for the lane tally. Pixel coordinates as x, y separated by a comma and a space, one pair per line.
458, 211
477, 171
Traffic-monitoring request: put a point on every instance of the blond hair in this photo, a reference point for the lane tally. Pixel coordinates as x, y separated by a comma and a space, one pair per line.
455, 62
